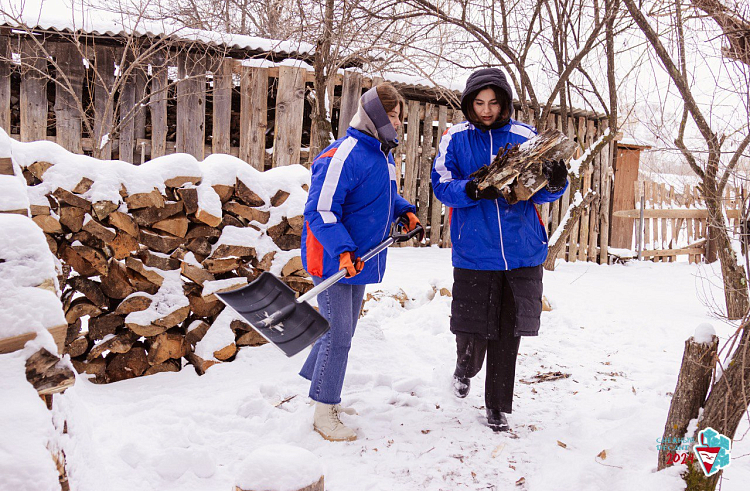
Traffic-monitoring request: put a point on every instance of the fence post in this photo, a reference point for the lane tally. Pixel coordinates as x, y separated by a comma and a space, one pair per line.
607, 171
158, 104
104, 64
437, 206
290, 107
127, 110
68, 96
253, 116
412, 146
425, 168
191, 104
641, 225
5, 68
351, 90
222, 107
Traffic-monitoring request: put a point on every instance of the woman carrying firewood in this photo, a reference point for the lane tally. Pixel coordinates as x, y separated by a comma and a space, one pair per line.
352, 203
498, 248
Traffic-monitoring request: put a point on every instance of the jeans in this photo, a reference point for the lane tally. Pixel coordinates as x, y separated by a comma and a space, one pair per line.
325, 366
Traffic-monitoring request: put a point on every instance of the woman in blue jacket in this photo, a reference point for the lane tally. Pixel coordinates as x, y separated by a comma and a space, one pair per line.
352, 203
498, 248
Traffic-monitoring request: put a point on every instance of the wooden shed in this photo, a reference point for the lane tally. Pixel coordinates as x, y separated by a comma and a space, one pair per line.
626, 167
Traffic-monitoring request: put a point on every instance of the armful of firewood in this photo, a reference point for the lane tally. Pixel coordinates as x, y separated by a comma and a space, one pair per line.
518, 172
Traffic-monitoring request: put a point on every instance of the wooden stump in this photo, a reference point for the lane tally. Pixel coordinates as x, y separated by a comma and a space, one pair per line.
690, 394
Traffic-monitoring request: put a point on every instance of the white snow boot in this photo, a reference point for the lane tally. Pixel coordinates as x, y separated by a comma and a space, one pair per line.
329, 425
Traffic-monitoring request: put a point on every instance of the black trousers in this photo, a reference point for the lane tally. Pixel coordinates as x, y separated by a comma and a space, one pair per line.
501, 355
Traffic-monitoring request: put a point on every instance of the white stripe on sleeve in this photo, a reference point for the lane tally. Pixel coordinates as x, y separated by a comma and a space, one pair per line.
331, 181
522, 130
440, 168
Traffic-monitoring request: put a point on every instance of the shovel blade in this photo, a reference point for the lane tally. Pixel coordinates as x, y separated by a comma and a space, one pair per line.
270, 307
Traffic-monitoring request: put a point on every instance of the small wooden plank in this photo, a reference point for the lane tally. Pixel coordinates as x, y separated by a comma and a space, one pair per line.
596, 185
127, 115
141, 100
573, 241
158, 105
5, 71
290, 108
15, 343
69, 97
673, 252
692, 213
351, 91
604, 203
436, 214
412, 152
253, 116
585, 216
33, 104
222, 107
425, 168
191, 105
104, 100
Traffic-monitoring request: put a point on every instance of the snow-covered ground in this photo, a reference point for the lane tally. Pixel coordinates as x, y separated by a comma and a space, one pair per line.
619, 332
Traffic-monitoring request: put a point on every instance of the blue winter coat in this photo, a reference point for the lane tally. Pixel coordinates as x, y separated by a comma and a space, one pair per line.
486, 234
352, 202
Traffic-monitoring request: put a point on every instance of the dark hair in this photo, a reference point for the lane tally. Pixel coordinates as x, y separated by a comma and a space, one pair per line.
390, 98
502, 99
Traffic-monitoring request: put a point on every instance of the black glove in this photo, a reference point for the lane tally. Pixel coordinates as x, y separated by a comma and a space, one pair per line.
556, 174
473, 191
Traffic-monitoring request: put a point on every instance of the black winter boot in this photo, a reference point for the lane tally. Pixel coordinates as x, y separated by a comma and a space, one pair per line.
461, 386
496, 420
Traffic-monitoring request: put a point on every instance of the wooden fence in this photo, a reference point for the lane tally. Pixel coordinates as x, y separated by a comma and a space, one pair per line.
207, 103
674, 223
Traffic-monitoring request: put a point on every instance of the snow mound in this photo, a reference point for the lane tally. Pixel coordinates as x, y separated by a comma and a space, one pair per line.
279, 468
704, 333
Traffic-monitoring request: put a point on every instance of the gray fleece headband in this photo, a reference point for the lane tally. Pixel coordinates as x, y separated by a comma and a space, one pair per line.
373, 106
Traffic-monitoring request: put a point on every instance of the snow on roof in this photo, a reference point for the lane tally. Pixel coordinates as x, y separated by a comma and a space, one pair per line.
76, 16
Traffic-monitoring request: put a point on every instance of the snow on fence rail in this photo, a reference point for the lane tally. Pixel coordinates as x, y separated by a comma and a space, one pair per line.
199, 99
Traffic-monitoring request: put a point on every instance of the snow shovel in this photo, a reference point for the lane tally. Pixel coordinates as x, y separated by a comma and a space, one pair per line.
290, 324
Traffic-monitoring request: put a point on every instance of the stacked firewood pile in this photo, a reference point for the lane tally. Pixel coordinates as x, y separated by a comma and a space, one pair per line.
140, 272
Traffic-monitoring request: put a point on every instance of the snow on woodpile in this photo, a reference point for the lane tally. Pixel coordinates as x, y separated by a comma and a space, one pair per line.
26, 463
149, 246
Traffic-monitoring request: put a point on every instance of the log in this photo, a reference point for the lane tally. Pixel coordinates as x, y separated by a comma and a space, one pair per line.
293, 267
211, 220
150, 215
91, 290
225, 192
167, 366
94, 257
116, 283
38, 169
123, 221
251, 338
79, 308
176, 225
196, 273
104, 325
127, 365
200, 246
189, 199
157, 260
226, 352
158, 242
179, 181
199, 363
232, 251
518, 172
41, 210
202, 231
160, 325
102, 209
77, 347
65, 196
195, 333
98, 230
123, 245
48, 224
71, 217
133, 303
225, 265
247, 195
83, 185
247, 212
43, 372
149, 274
165, 346
94, 367
121, 343
145, 200
279, 198
693, 383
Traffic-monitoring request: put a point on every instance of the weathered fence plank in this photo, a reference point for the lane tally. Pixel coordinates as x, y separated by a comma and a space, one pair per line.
351, 91
606, 192
253, 116
222, 107
68, 96
596, 186
425, 166
412, 148
437, 207
290, 107
127, 112
158, 105
5, 70
191, 105
104, 74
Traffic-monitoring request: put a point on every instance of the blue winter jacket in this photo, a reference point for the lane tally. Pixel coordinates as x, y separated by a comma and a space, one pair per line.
352, 202
486, 234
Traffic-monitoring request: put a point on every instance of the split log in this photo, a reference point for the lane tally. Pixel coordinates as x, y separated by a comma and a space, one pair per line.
38, 169
267, 261
77, 347
127, 365
200, 246
94, 367
39, 210
170, 365
279, 198
288, 242
160, 243
176, 225
202, 231
225, 192
195, 332
247, 195
693, 383
145, 200
226, 352
225, 265
157, 260
98, 230
116, 283
204, 216
247, 212
48, 224
65, 196
105, 325
179, 181
276, 231
123, 245
196, 273
150, 274
83, 185
251, 338
79, 308
136, 302
293, 267
6, 167
43, 372
123, 221
159, 325
102, 209
71, 217
297, 224
229, 220
189, 199
121, 343
149, 216
232, 251
199, 363
95, 258
92, 290
518, 171
204, 307
165, 346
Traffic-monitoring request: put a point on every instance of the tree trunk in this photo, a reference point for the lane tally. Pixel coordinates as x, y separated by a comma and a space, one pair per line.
693, 383
725, 407
735, 280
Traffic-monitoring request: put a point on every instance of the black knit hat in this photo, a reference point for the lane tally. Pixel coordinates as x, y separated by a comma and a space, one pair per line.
481, 79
